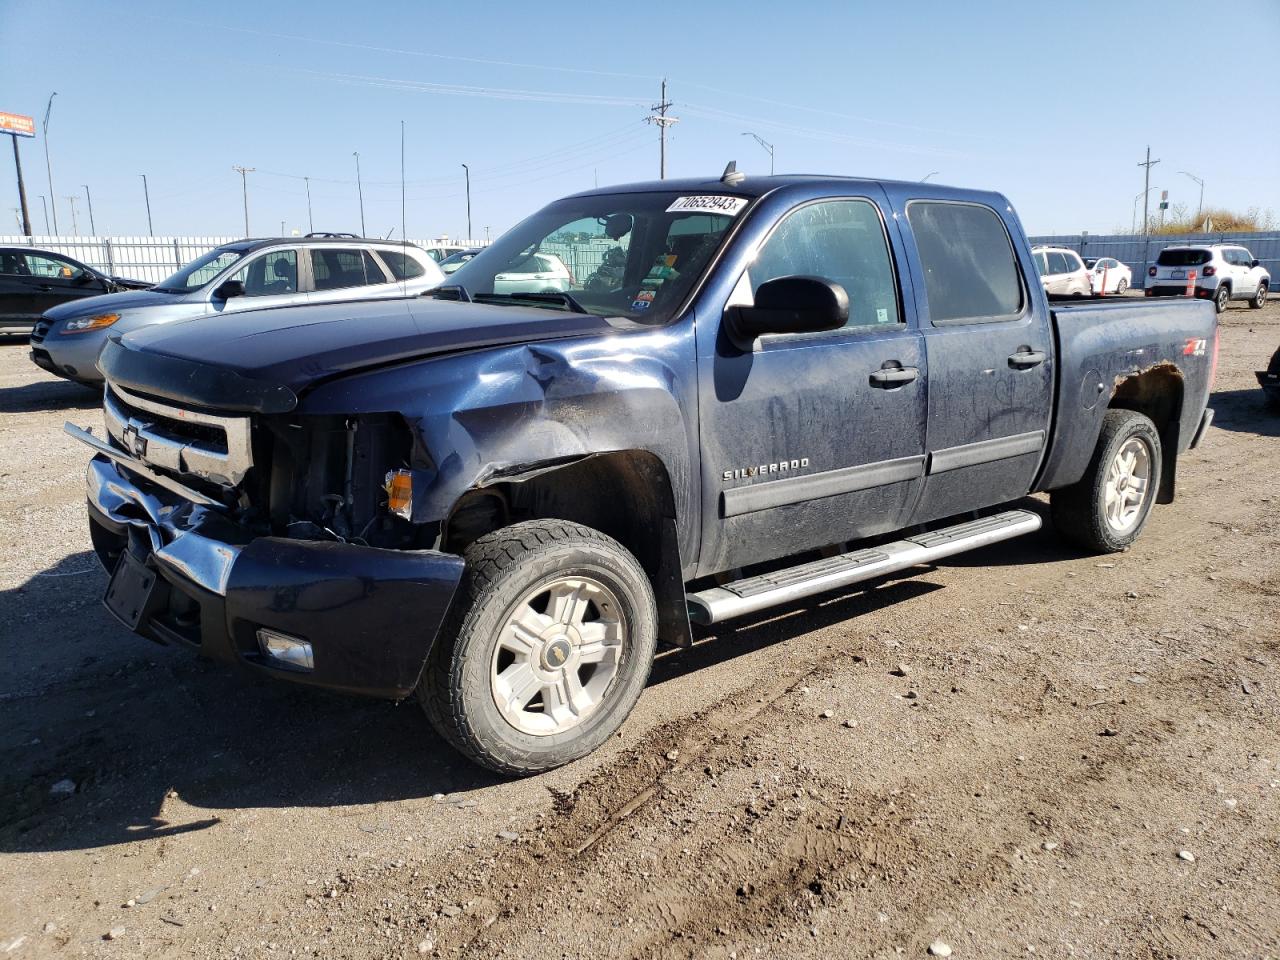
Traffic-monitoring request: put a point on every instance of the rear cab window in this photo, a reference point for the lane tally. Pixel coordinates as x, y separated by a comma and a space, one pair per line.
971, 272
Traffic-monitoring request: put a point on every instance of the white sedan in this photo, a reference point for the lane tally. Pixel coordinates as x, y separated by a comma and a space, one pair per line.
1111, 272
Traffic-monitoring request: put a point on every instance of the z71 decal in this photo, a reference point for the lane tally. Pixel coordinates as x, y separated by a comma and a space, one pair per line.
1194, 348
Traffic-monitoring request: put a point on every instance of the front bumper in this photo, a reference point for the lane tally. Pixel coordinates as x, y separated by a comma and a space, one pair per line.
72, 356
370, 615
1270, 384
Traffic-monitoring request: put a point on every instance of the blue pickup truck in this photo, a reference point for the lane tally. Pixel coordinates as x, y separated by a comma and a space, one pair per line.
754, 390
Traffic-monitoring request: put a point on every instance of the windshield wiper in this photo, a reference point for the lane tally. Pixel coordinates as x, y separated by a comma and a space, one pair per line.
561, 299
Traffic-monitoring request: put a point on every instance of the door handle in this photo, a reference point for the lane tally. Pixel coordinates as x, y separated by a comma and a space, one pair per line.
1026, 358
890, 377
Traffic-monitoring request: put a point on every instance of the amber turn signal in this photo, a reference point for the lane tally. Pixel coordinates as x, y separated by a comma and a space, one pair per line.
399, 487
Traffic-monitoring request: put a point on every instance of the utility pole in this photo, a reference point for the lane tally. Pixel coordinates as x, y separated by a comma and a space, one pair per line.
48, 167
46, 214
1149, 163
22, 188
660, 118
359, 190
244, 185
764, 143
468, 172
146, 194
311, 227
1200, 205
75, 227
93, 230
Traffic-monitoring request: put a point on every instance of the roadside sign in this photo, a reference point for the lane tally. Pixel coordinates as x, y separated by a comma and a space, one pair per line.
17, 124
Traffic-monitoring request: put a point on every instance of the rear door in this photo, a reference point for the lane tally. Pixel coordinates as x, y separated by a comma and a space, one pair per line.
17, 290
817, 438
990, 354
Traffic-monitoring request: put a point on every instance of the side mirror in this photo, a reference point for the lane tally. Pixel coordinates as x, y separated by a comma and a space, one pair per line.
229, 289
1255, 263
793, 305
83, 277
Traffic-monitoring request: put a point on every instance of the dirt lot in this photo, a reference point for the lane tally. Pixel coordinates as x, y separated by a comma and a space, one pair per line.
1082, 759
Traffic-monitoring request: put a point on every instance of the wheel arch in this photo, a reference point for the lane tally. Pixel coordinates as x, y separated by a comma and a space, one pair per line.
626, 494
1157, 393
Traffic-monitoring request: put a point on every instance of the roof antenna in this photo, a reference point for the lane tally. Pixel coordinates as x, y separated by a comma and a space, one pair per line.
731, 176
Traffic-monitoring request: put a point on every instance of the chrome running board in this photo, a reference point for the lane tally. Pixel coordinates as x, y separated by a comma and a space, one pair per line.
830, 573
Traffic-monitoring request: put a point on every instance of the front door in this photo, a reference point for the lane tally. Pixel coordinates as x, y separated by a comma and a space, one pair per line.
990, 360
270, 280
53, 280
814, 439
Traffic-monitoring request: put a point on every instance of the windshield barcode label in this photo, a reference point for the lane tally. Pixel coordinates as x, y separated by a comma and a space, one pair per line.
729, 206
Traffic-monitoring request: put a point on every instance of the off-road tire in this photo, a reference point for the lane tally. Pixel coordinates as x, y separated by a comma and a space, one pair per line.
1079, 511
501, 567
1222, 298
1259, 299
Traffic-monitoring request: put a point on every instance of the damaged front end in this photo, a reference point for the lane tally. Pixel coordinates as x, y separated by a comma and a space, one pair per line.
269, 539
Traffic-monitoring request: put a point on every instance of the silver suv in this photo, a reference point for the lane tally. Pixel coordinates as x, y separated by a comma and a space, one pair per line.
246, 275
1217, 271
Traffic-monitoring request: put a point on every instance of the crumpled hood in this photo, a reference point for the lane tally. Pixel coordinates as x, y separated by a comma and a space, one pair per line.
284, 350
111, 302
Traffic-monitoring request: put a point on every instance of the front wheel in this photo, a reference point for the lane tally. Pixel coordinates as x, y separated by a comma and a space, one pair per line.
547, 650
1108, 507
1122, 286
1222, 298
1259, 298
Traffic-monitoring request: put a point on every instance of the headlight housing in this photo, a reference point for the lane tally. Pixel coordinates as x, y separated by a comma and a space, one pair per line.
98, 321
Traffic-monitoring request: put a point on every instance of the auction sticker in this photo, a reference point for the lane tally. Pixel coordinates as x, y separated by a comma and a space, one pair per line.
711, 203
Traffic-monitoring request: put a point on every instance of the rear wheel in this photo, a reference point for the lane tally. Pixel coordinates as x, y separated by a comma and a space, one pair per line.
547, 650
1108, 507
1222, 298
1260, 297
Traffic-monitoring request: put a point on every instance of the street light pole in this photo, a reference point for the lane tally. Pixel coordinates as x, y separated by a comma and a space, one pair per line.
244, 184
75, 227
1200, 205
147, 196
359, 190
46, 214
48, 167
93, 230
764, 143
468, 172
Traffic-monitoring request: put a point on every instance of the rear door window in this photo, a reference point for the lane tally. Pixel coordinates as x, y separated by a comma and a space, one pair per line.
401, 265
971, 273
1058, 263
336, 269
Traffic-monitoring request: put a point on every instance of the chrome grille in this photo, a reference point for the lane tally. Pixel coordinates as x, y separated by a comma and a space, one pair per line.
175, 439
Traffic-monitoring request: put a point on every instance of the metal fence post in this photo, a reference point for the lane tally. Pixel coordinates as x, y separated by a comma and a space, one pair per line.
111, 263
177, 257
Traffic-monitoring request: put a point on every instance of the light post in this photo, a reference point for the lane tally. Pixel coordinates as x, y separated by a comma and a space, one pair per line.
93, 230
46, 214
146, 195
764, 143
359, 190
48, 167
1200, 205
468, 173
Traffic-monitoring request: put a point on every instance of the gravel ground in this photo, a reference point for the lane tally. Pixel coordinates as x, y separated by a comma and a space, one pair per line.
1079, 758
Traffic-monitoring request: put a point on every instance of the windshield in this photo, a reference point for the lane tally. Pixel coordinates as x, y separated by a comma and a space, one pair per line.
633, 254
200, 271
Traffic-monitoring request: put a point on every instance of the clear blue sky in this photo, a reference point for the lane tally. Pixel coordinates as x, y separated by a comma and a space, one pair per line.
1051, 104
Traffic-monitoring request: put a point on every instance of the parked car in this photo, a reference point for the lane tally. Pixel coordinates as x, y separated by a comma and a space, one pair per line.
32, 281
499, 503
1108, 275
1224, 272
441, 253
454, 261
536, 273
1062, 272
246, 275
1269, 380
